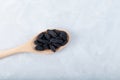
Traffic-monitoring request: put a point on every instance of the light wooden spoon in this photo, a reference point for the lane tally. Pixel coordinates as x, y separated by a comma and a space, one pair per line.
28, 47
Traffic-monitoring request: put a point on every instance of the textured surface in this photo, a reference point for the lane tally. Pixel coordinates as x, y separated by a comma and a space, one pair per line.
93, 53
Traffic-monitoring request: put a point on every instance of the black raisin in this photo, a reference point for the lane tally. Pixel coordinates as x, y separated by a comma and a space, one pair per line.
39, 48
56, 45
37, 42
52, 33
43, 41
59, 41
47, 36
46, 46
43, 38
40, 35
56, 40
57, 31
40, 44
52, 48
63, 35
40, 40
64, 43
53, 40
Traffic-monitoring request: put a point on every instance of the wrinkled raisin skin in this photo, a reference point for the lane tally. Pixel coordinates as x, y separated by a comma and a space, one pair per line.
51, 39
52, 48
39, 48
47, 36
52, 33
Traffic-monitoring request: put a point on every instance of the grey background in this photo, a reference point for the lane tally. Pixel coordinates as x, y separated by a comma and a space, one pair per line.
92, 54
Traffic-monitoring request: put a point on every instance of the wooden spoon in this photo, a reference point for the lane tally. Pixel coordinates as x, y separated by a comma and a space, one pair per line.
28, 47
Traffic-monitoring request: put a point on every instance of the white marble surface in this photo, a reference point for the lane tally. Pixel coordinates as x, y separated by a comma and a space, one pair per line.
94, 50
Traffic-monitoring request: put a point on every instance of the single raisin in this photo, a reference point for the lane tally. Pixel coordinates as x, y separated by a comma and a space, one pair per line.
63, 35
52, 33
58, 38
52, 48
56, 45
47, 36
53, 40
46, 46
43, 41
39, 48
63, 43
40, 35
36, 42
57, 31
60, 41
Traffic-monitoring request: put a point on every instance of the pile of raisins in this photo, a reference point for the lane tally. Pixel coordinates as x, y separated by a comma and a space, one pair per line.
51, 39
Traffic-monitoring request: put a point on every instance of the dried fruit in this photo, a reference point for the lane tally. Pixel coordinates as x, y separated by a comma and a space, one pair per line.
40, 48
52, 33
51, 39
45, 46
52, 48
47, 36
43, 41
36, 42
63, 43
63, 35
40, 35
56, 45
56, 31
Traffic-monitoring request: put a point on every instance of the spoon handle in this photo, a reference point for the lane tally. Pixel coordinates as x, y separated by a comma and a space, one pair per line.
9, 52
